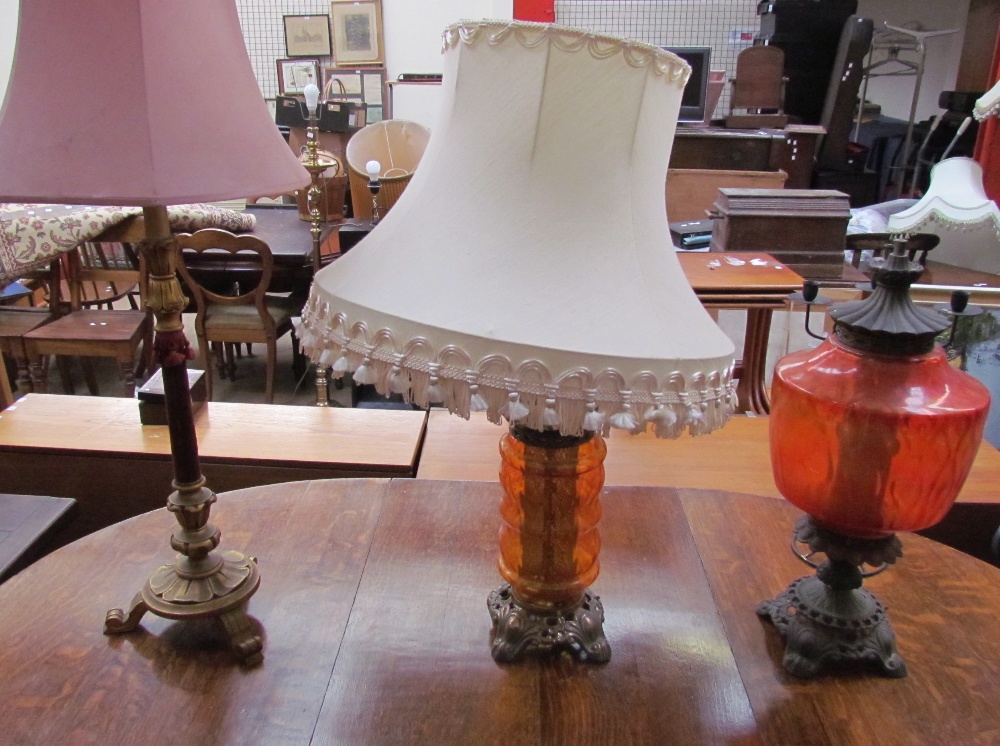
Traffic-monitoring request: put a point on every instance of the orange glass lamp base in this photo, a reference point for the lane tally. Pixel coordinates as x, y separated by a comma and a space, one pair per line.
549, 546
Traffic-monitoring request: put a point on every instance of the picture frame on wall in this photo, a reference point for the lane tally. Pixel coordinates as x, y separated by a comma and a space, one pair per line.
307, 36
295, 74
364, 85
357, 33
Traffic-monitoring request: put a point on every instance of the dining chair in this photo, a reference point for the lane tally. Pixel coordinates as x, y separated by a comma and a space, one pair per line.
86, 331
248, 316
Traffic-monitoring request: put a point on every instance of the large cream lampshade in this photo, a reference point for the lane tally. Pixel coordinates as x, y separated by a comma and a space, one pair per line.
528, 271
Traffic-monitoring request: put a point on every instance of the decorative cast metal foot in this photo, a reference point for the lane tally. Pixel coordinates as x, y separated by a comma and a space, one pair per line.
829, 618
221, 594
821, 627
518, 631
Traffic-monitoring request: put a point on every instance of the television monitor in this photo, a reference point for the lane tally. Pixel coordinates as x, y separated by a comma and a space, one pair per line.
693, 102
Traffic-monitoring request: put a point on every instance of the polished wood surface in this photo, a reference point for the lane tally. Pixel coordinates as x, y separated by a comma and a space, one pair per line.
735, 457
26, 524
95, 450
732, 280
377, 632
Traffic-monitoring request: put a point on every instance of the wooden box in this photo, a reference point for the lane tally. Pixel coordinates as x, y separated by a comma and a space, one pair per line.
804, 228
152, 404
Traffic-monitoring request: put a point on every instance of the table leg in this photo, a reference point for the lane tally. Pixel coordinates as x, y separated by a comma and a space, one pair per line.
750, 389
6, 396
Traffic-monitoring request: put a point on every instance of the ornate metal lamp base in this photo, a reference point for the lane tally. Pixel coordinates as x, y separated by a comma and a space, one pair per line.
829, 618
222, 593
519, 631
821, 627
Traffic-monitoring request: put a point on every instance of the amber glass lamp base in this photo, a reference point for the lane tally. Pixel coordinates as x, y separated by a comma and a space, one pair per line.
549, 547
828, 619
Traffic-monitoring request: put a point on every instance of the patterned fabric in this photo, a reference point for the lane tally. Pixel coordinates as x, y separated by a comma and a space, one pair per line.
32, 235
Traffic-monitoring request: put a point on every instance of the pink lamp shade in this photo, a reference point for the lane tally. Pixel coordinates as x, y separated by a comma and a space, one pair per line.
137, 102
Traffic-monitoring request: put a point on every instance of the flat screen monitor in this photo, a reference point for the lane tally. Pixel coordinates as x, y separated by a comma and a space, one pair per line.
693, 101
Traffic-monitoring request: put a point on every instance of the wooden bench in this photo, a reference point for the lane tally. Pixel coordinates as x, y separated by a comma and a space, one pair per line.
28, 524
95, 450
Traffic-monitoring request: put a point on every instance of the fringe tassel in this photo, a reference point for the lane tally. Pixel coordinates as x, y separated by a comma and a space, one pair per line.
477, 403
550, 417
625, 420
398, 381
364, 373
325, 357
514, 410
340, 366
593, 420
435, 395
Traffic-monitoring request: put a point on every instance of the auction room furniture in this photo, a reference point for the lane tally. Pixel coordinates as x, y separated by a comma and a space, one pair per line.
750, 281
372, 608
759, 87
55, 445
28, 524
95, 332
251, 315
791, 150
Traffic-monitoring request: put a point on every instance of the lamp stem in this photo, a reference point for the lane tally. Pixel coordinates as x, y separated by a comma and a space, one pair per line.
549, 546
199, 583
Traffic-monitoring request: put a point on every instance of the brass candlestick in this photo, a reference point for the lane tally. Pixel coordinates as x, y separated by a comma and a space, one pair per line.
199, 583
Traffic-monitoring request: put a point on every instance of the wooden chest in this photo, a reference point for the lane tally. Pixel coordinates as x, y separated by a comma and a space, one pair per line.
805, 228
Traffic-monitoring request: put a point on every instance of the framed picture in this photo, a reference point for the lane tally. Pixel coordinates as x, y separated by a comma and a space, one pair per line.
295, 75
307, 36
364, 85
357, 33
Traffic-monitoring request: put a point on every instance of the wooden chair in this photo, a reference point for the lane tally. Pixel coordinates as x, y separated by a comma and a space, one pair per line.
251, 316
759, 87
94, 332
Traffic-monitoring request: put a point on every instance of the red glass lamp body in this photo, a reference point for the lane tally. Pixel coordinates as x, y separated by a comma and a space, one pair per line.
872, 444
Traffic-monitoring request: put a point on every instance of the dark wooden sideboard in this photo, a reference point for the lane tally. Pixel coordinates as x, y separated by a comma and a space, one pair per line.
791, 150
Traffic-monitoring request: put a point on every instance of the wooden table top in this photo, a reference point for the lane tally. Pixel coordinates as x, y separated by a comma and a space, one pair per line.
373, 606
736, 457
719, 274
245, 434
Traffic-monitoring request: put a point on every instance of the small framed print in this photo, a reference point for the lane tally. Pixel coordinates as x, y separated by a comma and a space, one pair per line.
295, 75
364, 85
307, 36
357, 33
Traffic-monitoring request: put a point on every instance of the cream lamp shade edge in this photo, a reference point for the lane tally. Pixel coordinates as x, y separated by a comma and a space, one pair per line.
503, 280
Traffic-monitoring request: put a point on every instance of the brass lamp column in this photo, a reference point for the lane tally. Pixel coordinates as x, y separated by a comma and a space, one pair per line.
142, 136
199, 582
315, 167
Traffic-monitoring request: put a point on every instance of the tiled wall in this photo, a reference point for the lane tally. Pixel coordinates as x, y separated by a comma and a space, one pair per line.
727, 26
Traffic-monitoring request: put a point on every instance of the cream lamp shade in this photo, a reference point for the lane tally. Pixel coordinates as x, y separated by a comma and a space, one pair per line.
956, 208
988, 105
137, 102
528, 270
